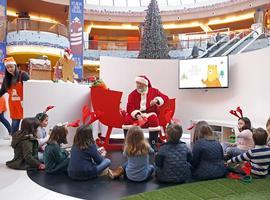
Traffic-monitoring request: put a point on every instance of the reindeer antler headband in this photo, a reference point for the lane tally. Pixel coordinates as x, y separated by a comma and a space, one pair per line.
48, 108
87, 114
39, 116
238, 112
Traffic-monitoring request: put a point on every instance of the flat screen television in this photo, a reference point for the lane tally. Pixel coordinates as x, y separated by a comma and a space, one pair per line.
204, 73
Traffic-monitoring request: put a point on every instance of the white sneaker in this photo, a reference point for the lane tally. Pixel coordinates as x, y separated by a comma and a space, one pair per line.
8, 137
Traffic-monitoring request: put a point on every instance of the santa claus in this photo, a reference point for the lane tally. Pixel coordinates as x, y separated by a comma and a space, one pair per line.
143, 108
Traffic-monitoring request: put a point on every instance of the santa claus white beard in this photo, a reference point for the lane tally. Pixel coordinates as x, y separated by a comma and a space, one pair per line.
141, 90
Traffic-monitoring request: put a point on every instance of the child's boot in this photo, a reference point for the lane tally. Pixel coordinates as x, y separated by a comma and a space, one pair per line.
153, 139
113, 174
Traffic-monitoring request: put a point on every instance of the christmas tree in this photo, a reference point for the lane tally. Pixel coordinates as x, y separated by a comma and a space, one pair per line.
154, 44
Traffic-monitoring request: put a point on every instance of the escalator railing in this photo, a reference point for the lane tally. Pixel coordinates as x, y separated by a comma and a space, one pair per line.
250, 43
216, 45
227, 45
240, 42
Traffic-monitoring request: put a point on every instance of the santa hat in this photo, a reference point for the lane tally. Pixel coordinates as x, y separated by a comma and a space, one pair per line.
68, 53
9, 61
144, 80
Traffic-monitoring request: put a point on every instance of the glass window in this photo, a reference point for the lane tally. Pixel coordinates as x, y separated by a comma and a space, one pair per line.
133, 3
145, 2
162, 2
198, 1
173, 2
187, 1
106, 2
93, 2
120, 3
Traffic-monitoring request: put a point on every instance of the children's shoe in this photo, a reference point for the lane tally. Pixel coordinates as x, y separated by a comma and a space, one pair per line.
104, 172
110, 174
113, 174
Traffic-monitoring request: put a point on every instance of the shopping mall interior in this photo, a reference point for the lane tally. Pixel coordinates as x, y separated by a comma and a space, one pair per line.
199, 37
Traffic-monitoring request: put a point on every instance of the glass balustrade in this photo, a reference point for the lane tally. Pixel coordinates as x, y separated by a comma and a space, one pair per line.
34, 25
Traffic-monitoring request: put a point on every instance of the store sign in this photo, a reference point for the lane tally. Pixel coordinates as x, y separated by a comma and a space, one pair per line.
3, 5
76, 24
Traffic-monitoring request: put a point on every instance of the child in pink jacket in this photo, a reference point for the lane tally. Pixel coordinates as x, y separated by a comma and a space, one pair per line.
244, 140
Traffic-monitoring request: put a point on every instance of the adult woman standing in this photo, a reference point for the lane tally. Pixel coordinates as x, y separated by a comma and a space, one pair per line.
13, 85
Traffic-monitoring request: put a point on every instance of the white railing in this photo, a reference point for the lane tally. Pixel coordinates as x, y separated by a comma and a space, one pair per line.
141, 5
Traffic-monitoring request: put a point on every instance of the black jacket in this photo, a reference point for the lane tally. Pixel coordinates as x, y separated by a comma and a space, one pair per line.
20, 74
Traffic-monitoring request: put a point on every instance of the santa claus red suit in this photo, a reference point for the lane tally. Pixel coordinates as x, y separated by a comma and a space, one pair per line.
145, 103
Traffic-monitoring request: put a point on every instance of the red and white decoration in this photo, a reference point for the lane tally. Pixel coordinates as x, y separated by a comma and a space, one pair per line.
76, 34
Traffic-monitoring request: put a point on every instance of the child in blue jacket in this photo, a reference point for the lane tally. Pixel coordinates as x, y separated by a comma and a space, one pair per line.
173, 158
86, 161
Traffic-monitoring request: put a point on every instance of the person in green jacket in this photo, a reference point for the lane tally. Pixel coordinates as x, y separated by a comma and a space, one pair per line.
55, 158
25, 145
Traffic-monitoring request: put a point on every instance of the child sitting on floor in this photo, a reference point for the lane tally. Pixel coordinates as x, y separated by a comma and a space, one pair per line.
86, 161
42, 136
259, 157
55, 158
207, 153
137, 150
268, 131
173, 158
25, 145
196, 134
244, 140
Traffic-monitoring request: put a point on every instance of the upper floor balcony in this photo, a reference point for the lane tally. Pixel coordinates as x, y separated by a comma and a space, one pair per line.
181, 46
24, 31
51, 38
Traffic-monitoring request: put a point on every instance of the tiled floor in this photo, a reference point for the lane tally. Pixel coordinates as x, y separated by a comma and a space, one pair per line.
15, 184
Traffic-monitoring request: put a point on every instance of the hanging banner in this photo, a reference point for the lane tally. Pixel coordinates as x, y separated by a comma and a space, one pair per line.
3, 5
76, 24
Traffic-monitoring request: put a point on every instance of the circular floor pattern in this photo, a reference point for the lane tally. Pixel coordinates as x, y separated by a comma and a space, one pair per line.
9, 176
98, 189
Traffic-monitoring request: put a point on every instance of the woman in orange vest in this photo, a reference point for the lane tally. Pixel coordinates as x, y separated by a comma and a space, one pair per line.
3, 109
13, 85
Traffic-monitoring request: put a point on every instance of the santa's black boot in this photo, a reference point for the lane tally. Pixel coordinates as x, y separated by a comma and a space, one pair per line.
125, 132
153, 139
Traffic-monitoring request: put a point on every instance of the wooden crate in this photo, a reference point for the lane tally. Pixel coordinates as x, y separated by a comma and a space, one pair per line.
40, 69
37, 74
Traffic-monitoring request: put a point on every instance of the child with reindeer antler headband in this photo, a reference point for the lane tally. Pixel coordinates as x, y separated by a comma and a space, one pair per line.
42, 135
244, 140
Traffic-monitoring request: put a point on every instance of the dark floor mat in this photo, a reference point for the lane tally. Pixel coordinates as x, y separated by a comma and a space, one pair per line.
99, 189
